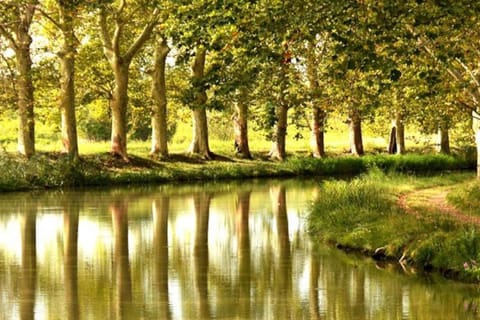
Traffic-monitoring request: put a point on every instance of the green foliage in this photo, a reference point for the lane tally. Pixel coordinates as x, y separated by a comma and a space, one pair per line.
362, 213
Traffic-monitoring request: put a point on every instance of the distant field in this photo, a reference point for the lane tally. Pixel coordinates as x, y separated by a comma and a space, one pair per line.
375, 140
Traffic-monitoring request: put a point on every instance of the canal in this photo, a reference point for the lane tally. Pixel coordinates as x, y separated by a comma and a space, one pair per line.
205, 251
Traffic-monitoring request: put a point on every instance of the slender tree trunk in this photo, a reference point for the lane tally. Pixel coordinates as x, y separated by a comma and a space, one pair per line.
476, 131
25, 100
443, 145
119, 111
397, 135
240, 126
199, 143
356, 141
400, 134
317, 137
67, 85
159, 93
278, 151
317, 140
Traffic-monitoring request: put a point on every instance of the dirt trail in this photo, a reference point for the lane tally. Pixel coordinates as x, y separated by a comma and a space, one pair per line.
434, 200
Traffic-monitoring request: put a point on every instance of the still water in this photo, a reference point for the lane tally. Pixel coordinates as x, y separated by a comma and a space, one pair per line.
218, 251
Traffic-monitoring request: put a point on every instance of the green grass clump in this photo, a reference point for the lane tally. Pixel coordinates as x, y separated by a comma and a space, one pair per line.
363, 214
467, 198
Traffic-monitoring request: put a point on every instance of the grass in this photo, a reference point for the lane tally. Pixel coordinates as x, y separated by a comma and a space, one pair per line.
363, 214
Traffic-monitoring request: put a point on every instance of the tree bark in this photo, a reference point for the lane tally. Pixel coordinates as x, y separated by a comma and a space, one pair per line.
119, 105
356, 141
278, 151
476, 130
199, 143
317, 140
67, 84
396, 143
443, 144
25, 89
159, 93
317, 137
240, 126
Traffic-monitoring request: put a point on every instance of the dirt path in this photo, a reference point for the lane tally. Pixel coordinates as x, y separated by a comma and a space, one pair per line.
434, 200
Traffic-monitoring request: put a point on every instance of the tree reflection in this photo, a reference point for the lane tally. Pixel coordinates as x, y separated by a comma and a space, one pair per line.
160, 208
243, 240
70, 250
313, 292
201, 203
29, 263
283, 274
123, 282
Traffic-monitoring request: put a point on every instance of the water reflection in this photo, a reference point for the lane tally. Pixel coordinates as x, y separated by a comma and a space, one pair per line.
206, 252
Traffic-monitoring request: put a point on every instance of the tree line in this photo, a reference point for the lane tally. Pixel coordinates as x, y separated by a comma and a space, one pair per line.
271, 63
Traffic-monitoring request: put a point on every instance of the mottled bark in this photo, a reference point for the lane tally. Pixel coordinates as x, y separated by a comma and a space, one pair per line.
356, 140
318, 115
118, 106
159, 110
199, 143
443, 144
240, 127
67, 83
317, 140
278, 151
396, 142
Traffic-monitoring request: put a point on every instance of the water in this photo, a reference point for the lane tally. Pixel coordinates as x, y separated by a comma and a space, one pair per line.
216, 251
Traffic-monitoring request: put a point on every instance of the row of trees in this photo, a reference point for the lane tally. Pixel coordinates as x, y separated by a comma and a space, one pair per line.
412, 61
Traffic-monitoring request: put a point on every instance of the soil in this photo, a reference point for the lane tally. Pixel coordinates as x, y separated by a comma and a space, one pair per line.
434, 200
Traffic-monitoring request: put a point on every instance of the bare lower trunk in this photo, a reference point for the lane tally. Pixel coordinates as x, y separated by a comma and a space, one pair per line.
67, 85
159, 93
397, 136
476, 130
278, 151
317, 140
240, 128
119, 112
26, 129
356, 141
199, 143
443, 145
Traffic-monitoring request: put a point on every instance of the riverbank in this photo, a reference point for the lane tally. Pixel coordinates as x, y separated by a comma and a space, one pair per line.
53, 170
401, 218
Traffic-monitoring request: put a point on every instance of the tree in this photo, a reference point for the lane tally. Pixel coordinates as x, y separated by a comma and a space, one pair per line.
159, 94
120, 57
15, 25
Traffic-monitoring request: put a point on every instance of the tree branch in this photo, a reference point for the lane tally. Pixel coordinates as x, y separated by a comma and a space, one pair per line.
9, 37
143, 37
106, 39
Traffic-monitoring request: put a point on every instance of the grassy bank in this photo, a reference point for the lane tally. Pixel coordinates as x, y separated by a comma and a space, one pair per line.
363, 214
52, 170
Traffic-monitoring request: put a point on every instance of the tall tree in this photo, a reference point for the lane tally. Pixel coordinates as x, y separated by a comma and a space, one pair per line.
159, 94
113, 20
16, 19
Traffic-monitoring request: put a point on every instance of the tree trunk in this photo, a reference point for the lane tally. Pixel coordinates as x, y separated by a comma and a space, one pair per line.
240, 126
317, 140
278, 151
476, 131
25, 100
119, 111
397, 136
159, 93
67, 85
199, 143
443, 145
356, 142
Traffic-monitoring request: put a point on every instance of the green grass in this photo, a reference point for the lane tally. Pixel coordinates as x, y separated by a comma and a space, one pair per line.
363, 214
